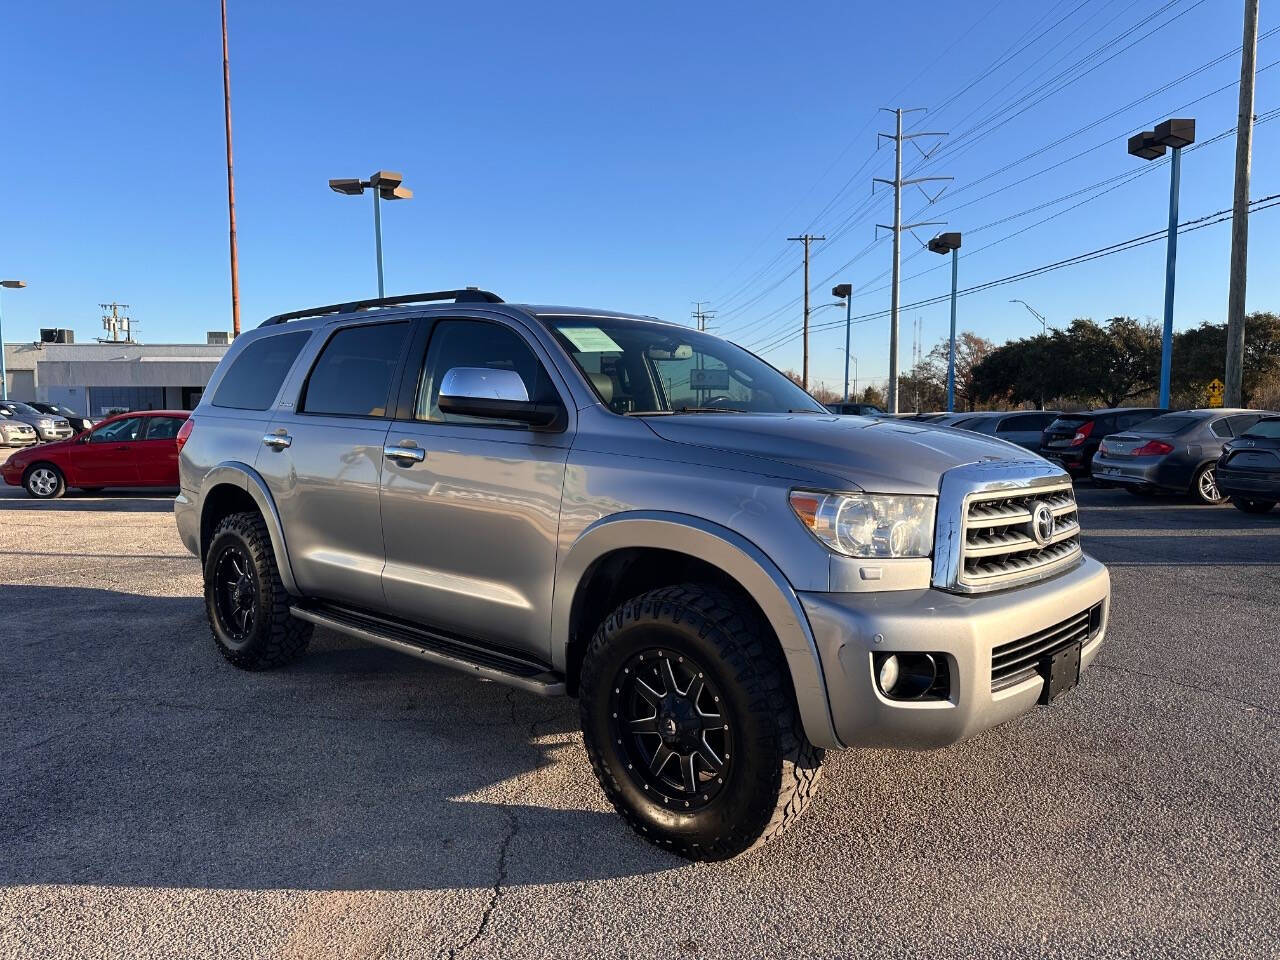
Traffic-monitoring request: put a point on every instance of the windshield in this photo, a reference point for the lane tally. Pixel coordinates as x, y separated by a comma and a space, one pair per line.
15, 407
1265, 429
642, 368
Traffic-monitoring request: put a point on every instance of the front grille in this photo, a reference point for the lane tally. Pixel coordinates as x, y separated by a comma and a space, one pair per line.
1001, 545
1018, 659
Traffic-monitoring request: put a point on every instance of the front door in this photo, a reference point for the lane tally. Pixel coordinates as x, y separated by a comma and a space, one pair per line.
109, 456
470, 525
323, 462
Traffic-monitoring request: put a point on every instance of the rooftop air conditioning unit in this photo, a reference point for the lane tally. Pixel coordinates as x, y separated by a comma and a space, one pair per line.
57, 335
218, 337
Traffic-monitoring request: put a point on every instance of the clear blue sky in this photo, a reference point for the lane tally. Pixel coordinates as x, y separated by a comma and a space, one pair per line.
637, 157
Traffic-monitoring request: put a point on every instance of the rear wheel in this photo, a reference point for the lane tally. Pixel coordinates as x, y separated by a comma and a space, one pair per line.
245, 600
1253, 506
1204, 486
691, 725
44, 481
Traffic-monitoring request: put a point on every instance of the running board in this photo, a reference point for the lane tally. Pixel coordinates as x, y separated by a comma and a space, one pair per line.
482, 661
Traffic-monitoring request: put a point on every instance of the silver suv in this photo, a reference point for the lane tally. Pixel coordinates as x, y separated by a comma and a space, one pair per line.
730, 579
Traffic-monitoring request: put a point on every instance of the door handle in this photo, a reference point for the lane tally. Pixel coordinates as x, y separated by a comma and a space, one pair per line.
277, 441
405, 454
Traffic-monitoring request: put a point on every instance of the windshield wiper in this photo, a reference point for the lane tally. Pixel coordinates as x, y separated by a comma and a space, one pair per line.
670, 413
816, 413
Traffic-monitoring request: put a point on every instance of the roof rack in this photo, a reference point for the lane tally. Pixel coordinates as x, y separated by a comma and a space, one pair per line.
468, 295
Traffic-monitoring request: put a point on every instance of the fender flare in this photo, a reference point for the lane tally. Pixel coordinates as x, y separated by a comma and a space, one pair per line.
241, 475
736, 556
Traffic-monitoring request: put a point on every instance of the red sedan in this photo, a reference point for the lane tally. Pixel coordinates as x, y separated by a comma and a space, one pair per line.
137, 449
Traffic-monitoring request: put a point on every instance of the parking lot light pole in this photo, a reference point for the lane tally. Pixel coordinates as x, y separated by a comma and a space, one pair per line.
4, 373
950, 243
1149, 144
845, 292
385, 185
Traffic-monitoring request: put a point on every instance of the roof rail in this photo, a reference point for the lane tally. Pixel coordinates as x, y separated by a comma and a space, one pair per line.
469, 295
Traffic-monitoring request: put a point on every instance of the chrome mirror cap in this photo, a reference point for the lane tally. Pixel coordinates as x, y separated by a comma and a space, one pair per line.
483, 383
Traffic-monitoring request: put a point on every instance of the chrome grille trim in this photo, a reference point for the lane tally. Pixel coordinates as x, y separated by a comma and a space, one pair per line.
983, 540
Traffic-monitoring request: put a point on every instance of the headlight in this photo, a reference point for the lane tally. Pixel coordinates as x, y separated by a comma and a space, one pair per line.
868, 524
47, 424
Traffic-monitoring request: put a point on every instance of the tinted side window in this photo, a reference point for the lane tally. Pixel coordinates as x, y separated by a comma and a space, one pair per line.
476, 343
256, 375
119, 431
163, 428
1220, 428
352, 376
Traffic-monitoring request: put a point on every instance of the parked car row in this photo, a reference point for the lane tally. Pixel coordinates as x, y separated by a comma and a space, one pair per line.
48, 422
137, 449
1145, 450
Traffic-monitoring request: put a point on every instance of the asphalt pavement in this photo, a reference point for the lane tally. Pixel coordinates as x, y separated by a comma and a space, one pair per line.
156, 802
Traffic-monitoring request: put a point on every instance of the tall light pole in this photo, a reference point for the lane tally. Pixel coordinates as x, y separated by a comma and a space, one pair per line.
385, 186
845, 292
950, 243
1044, 324
1174, 134
231, 180
4, 374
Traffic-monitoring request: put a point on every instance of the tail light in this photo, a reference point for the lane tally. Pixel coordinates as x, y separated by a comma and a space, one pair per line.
185, 431
1153, 448
1084, 431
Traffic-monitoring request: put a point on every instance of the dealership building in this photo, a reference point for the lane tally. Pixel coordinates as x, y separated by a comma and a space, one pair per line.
101, 378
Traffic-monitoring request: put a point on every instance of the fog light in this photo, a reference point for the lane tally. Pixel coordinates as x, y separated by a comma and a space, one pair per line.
889, 672
905, 676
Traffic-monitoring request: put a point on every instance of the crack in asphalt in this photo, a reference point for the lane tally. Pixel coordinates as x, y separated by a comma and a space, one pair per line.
498, 890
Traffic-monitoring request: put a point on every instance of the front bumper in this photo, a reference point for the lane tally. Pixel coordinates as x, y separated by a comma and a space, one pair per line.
18, 440
50, 434
850, 627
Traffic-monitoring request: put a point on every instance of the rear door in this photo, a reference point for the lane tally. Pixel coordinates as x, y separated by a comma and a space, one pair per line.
470, 519
322, 460
158, 452
109, 455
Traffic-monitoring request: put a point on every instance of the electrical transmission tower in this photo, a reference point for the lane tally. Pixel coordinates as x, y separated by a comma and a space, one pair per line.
806, 239
899, 138
702, 317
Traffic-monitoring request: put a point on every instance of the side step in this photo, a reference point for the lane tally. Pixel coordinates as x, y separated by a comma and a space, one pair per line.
469, 657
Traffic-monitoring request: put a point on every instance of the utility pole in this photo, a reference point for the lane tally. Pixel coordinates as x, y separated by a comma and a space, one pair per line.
231, 180
1233, 396
115, 324
898, 138
807, 239
700, 316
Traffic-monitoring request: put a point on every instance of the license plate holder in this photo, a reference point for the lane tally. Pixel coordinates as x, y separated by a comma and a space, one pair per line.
1061, 672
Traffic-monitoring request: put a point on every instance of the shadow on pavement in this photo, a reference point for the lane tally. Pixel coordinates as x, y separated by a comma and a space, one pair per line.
128, 500
132, 754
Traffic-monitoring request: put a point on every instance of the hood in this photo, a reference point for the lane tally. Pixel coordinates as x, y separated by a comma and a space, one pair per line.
879, 456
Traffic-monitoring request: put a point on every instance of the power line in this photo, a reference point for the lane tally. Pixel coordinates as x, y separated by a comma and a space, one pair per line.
1188, 226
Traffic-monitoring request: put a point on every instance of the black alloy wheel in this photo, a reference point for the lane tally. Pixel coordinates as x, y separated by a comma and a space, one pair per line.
235, 592
668, 723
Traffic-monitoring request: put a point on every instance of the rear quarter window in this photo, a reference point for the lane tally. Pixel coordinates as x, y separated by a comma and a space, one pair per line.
256, 375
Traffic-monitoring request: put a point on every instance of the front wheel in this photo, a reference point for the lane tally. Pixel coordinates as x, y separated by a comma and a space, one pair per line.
1253, 506
691, 724
1204, 486
44, 481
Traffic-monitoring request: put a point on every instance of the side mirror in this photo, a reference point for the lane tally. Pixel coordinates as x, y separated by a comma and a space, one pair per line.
494, 395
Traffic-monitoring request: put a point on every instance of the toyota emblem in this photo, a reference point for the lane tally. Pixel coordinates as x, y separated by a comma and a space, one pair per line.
1042, 523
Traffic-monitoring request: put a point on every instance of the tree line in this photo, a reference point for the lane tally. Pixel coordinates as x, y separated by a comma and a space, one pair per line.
1090, 364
